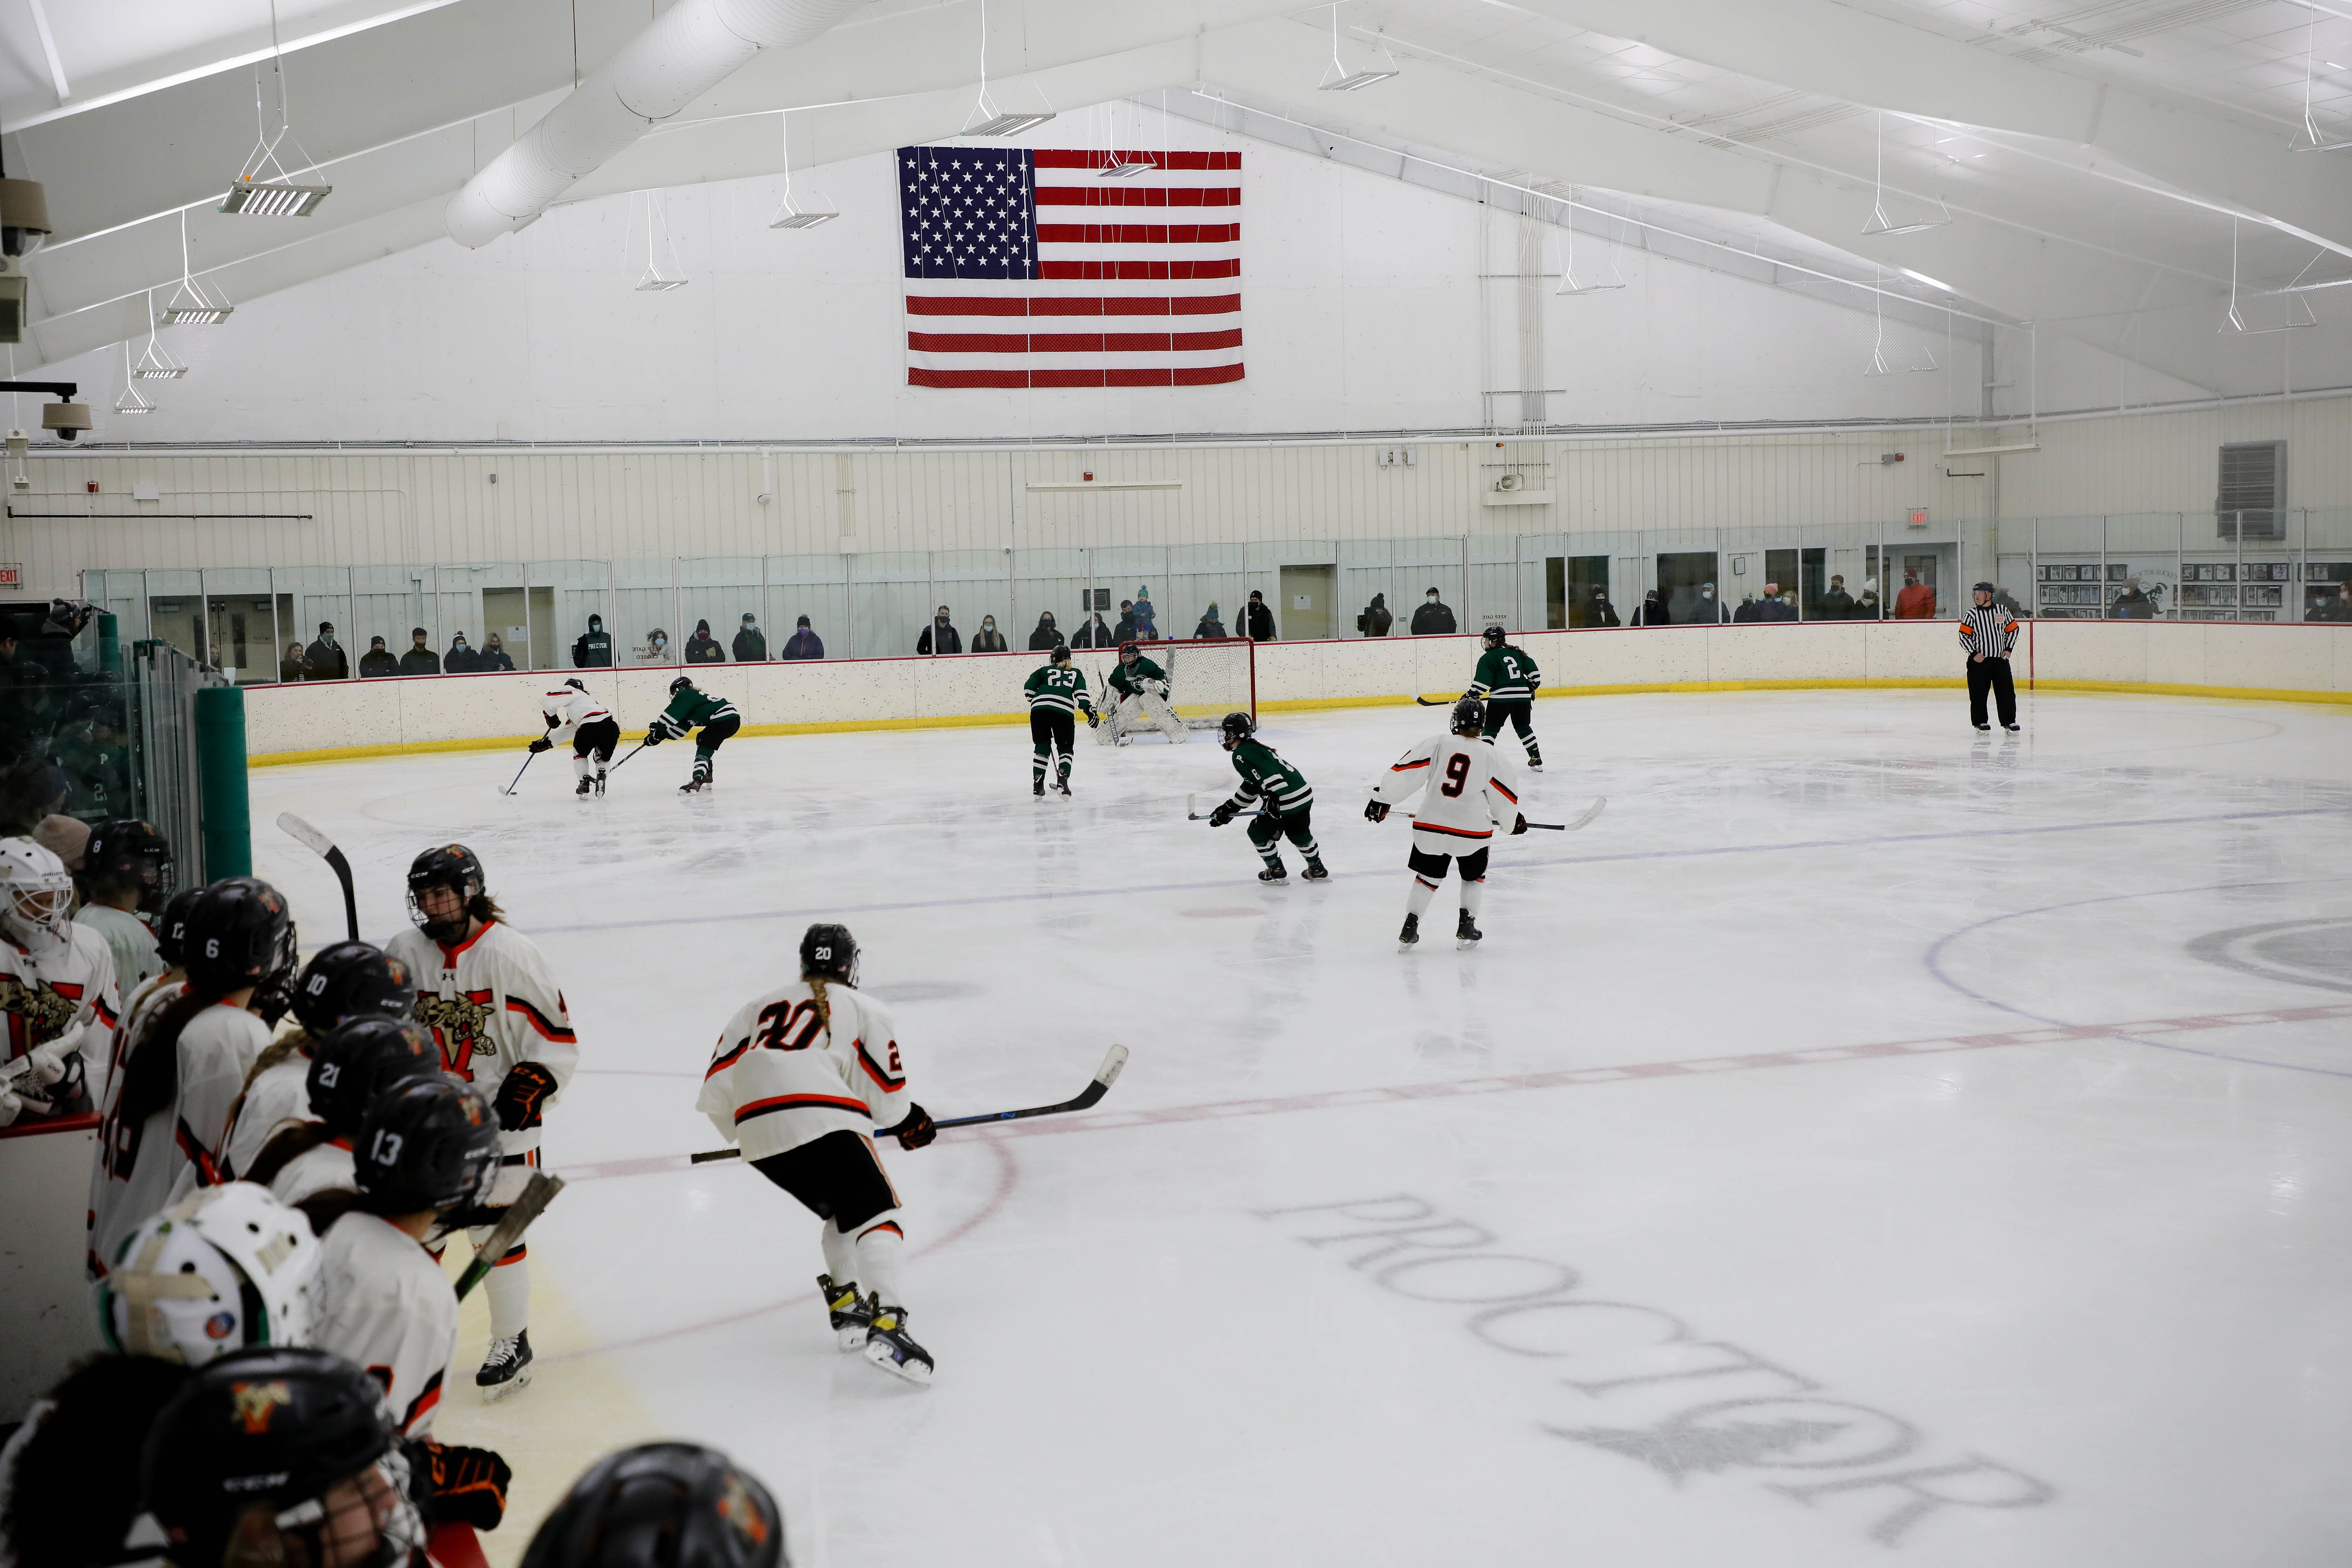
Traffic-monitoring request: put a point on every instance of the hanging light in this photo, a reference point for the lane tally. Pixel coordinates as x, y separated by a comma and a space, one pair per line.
158, 364
262, 187
1115, 169
2311, 139
1339, 79
191, 305
655, 281
1880, 224
986, 119
1569, 282
131, 402
791, 216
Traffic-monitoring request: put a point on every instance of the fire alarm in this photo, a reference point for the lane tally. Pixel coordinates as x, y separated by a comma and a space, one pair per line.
91, 485
1089, 475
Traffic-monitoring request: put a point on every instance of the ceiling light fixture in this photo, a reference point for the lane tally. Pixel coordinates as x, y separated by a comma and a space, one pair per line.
131, 402
986, 119
2233, 321
158, 362
2311, 139
1930, 282
1117, 168
788, 215
191, 305
1568, 284
1880, 224
1879, 366
251, 195
655, 281
1339, 77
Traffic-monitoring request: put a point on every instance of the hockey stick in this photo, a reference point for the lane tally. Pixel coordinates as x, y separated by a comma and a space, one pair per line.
1443, 703
537, 1193
319, 844
632, 751
1114, 1061
1590, 812
518, 772
1191, 801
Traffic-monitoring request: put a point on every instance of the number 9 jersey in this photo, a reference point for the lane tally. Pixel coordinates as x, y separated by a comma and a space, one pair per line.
1471, 788
796, 1064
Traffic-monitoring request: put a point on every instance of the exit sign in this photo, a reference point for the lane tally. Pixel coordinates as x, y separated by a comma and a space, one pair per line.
12, 576
1917, 516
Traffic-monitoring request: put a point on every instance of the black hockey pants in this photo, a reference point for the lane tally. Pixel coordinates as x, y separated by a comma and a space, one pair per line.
1050, 729
1991, 675
1520, 713
1267, 829
596, 739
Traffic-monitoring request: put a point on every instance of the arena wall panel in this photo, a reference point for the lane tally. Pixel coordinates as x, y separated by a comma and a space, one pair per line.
323, 720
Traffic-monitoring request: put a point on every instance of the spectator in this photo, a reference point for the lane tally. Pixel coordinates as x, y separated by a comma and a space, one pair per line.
940, 636
125, 865
702, 647
804, 643
2132, 604
656, 647
1601, 612
1257, 621
2008, 601
378, 660
1376, 620
1047, 637
1652, 613
1147, 626
1916, 602
1432, 619
1746, 613
1211, 628
325, 659
1867, 607
1837, 605
419, 659
291, 666
1094, 634
66, 837
460, 660
1775, 605
751, 643
2338, 609
593, 649
494, 654
1125, 631
989, 640
1706, 609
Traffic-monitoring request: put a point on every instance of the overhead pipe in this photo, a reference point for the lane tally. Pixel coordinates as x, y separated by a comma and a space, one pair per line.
691, 48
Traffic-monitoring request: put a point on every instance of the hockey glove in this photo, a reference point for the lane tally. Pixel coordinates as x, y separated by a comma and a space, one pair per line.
1376, 811
520, 1094
1223, 814
1520, 826
468, 1485
653, 738
914, 1131
1093, 719
49, 1066
542, 744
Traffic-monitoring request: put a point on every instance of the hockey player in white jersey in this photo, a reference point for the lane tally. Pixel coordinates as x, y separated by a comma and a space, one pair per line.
1467, 790
572, 715
805, 1078
348, 980
486, 992
167, 1106
58, 1000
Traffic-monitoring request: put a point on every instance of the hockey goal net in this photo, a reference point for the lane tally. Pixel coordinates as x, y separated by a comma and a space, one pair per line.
1207, 681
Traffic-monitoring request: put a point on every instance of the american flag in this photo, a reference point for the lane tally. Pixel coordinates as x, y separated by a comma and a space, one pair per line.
1104, 291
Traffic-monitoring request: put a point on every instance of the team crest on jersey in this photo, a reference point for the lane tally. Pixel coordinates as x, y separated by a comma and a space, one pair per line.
255, 1402
740, 1508
44, 1012
461, 1023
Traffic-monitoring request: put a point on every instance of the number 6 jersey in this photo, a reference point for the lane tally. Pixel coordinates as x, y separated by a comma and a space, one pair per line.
781, 1077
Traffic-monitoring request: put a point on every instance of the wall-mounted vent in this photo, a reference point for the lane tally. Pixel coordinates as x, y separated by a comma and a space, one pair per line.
2251, 501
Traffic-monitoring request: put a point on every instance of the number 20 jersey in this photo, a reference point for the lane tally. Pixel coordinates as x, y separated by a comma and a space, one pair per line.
781, 1079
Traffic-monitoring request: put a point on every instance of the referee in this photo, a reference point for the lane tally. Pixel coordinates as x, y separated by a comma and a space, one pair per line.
1987, 633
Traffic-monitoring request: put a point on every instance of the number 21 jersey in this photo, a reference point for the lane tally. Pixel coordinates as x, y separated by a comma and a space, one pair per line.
782, 1076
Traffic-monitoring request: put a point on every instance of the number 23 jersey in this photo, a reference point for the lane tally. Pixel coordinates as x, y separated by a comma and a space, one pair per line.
781, 1078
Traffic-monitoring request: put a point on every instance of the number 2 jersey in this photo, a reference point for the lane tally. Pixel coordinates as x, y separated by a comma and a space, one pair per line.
1471, 786
782, 1076
490, 1002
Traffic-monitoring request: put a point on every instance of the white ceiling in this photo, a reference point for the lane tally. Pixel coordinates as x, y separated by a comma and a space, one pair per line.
2095, 159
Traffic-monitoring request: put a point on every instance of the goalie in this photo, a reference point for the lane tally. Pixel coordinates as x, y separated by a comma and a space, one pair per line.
1139, 696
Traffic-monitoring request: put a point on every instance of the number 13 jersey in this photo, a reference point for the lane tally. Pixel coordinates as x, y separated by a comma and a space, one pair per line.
784, 1075
1471, 787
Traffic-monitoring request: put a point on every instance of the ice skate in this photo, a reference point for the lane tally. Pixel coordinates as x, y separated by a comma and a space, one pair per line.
600, 783
1411, 933
1465, 930
1037, 787
586, 784
1315, 872
890, 1347
1062, 785
1274, 874
2012, 729
1984, 729
506, 1371
691, 786
851, 1314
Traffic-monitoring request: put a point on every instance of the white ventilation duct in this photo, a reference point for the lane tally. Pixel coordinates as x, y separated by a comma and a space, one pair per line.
694, 47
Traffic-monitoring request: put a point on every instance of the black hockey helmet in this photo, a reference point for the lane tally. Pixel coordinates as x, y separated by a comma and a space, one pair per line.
576, 684
1495, 637
277, 1426
451, 865
1060, 654
428, 1144
240, 933
171, 927
1127, 650
351, 979
125, 849
360, 1061
1235, 728
829, 951
1469, 716
682, 684
662, 1505
1980, 588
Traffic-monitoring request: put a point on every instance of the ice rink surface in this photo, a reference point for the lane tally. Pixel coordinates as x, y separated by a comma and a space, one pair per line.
1866, 1142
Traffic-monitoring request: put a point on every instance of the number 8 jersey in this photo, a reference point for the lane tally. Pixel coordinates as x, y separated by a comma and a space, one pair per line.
789, 1068
1471, 788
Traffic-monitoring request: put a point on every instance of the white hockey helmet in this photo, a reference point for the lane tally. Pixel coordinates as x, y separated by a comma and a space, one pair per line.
226, 1267
36, 894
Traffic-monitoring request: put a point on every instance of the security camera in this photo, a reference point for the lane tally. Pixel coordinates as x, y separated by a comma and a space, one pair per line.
66, 421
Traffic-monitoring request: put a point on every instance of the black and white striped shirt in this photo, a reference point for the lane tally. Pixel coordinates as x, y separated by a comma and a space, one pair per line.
1991, 631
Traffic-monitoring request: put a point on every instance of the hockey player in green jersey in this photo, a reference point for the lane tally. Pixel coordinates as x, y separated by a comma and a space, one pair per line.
689, 709
1138, 686
1507, 680
1057, 693
1286, 802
